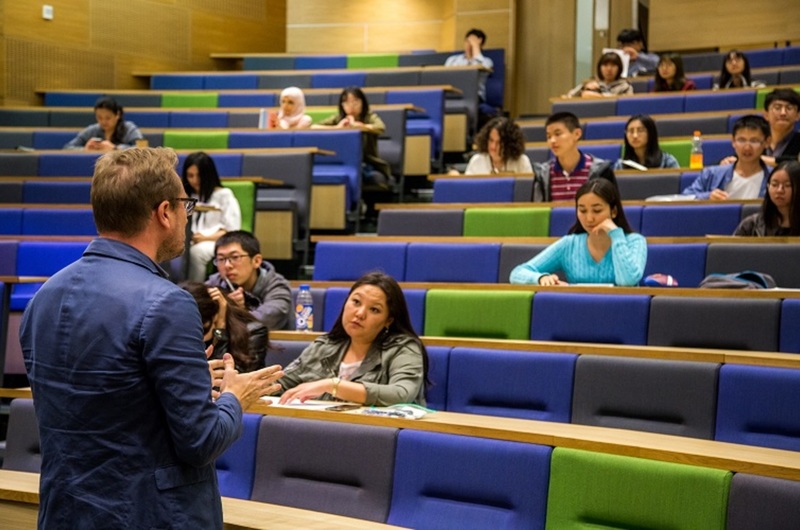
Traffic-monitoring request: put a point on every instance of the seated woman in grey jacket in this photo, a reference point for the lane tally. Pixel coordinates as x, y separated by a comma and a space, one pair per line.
371, 356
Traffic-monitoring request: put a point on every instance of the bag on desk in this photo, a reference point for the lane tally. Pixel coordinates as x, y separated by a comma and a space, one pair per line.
738, 280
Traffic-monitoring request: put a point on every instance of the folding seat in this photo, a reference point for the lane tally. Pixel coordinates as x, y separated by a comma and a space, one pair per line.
41, 258
177, 81
259, 99
283, 352
771, 258
71, 99
595, 108
74, 118
11, 139
189, 100
572, 317
325, 466
473, 190
67, 164
723, 100
231, 82
604, 130
651, 104
503, 485
228, 164
626, 492
428, 122
757, 406
420, 222
199, 119
689, 322
237, 465
763, 502
268, 63
343, 167
320, 62
686, 262
690, 220
536, 386
652, 395
196, 139
512, 254
44, 192
281, 80
22, 449
259, 139
438, 370
341, 261
50, 139
506, 222
637, 187
338, 80
58, 222
452, 262
478, 313
790, 331
371, 60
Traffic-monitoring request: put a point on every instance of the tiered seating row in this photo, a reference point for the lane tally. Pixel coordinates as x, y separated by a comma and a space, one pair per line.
719, 399
660, 103
654, 317
517, 219
403, 475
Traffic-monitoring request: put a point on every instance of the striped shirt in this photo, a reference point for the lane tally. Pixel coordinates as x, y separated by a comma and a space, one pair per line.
564, 184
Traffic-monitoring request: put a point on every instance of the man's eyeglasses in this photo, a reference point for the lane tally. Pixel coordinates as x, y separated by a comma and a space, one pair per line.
233, 259
780, 185
189, 203
752, 141
788, 107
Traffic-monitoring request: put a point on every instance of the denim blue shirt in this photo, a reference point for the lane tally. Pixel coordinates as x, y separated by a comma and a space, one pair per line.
129, 433
718, 177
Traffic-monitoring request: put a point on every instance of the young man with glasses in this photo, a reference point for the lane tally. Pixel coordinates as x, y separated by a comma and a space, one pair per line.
781, 111
115, 358
747, 177
250, 281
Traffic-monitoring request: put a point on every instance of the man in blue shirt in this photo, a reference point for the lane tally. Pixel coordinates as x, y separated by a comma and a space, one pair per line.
115, 357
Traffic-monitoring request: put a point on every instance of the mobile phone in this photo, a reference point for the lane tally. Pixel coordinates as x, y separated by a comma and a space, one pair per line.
344, 407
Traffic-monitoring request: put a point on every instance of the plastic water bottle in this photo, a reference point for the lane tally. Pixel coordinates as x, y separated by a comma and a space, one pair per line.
696, 155
262, 119
304, 310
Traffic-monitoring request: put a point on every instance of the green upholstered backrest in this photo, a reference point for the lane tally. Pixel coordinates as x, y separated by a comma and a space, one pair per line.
473, 313
373, 60
190, 101
245, 192
507, 222
320, 113
680, 149
598, 490
196, 139
761, 95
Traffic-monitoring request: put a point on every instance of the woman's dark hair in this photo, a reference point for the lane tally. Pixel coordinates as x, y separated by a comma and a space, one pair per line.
608, 191
609, 57
111, 104
772, 217
358, 93
652, 151
207, 170
512, 141
725, 76
678, 81
398, 311
236, 324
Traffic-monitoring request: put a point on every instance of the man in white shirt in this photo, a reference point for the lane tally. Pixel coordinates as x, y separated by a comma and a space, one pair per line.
745, 179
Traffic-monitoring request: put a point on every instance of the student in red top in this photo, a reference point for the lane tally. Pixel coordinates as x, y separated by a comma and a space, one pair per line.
560, 177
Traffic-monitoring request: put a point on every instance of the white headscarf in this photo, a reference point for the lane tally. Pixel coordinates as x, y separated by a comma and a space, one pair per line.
298, 118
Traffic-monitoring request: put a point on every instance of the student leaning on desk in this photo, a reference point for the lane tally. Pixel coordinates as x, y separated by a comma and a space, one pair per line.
371, 356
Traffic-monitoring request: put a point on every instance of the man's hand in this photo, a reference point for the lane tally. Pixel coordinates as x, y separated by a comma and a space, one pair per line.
237, 296
718, 195
249, 387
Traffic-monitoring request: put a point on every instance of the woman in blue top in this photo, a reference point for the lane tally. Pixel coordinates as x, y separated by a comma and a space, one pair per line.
600, 246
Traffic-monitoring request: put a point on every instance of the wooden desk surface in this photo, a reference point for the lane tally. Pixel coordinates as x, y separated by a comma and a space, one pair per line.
549, 204
237, 514
257, 180
366, 89
317, 71
666, 448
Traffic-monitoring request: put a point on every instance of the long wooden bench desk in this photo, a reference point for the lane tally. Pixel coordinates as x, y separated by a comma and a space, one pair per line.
19, 508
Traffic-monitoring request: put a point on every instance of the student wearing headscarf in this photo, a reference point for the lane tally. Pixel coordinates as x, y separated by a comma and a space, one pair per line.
292, 113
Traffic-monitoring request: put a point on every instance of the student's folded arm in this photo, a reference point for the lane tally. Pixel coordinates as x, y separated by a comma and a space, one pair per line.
629, 255
542, 264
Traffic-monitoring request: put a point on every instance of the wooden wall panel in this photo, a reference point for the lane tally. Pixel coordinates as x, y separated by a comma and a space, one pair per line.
545, 56
97, 44
399, 36
69, 27
697, 24
359, 12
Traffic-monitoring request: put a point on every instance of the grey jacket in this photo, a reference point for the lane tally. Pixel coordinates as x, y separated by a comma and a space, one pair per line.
270, 301
392, 372
541, 176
